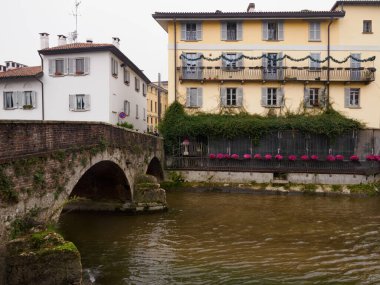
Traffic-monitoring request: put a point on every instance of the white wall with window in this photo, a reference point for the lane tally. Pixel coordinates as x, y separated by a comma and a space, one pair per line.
21, 99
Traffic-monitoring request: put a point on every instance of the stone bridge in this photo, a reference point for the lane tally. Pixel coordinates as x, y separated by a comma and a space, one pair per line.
45, 164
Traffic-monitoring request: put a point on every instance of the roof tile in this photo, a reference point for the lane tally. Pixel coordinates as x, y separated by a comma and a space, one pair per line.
32, 71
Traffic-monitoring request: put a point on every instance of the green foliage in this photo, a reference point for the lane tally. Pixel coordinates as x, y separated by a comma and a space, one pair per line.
367, 189
126, 125
7, 192
177, 124
22, 225
336, 188
39, 179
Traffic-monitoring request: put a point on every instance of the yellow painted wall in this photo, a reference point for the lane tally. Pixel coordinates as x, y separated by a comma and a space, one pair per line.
152, 106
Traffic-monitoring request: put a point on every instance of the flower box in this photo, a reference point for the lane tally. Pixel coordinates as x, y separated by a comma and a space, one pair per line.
268, 157
354, 158
220, 156
339, 157
247, 156
258, 157
279, 157
235, 156
330, 158
371, 157
212, 156
305, 158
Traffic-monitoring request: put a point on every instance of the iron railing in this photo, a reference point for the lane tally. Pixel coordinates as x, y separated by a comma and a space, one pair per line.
259, 73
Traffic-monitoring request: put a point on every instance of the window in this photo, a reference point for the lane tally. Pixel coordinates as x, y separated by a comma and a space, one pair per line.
10, 100
127, 76
231, 96
114, 67
272, 97
144, 89
314, 65
194, 98
59, 67
127, 108
352, 98
144, 114
191, 31
79, 66
151, 105
231, 31
367, 27
79, 102
273, 31
155, 107
137, 84
315, 31
137, 111
314, 96
231, 62
29, 100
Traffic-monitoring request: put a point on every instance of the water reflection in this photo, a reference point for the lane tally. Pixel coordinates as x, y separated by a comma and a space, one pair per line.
234, 239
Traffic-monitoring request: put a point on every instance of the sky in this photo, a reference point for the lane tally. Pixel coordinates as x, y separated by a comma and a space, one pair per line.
142, 39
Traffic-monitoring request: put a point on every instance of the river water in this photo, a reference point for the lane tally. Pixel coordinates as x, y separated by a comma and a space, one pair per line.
213, 238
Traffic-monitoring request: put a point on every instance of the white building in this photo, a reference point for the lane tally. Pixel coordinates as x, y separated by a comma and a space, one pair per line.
77, 82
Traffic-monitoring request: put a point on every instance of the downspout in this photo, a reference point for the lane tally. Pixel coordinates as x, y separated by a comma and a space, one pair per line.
42, 89
328, 62
175, 59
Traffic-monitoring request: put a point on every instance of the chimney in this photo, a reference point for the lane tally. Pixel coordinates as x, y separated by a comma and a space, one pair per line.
251, 8
44, 39
62, 40
116, 42
90, 41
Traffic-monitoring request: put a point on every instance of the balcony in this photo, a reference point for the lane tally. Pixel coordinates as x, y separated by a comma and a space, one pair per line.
283, 74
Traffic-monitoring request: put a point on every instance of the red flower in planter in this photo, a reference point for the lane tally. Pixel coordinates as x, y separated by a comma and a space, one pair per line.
279, 157
268, 157
235, 156
226, 156
330, 158
220, 156
305, 157
378, 157
292, 157
354, 158
247, 156
370, 157
258, 156
314, 157
339, 157
212, 156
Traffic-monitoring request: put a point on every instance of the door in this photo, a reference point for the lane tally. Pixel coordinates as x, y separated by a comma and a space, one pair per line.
355, 67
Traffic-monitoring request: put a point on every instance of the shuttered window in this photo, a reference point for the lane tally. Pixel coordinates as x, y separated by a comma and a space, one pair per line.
127, 108
79, 66
352, 98
144, 89
79, 102
114, 67
273, 31
314, 31
59, 67
137, 84
127, 76
10, 100
194, 97
231, 97
137, 111
272, 97
191, 31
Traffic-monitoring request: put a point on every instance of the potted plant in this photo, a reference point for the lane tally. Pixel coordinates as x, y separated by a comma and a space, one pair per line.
339, 157
257, 157
354, 158
292, 158
212, 156
235, 156
27, 107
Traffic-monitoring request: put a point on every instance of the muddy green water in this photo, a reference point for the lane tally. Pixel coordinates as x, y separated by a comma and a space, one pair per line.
208, 238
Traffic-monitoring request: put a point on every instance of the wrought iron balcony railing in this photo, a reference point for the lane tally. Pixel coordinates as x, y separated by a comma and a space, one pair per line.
285, 74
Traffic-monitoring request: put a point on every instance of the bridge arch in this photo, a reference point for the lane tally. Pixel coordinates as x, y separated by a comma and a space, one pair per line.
155, 169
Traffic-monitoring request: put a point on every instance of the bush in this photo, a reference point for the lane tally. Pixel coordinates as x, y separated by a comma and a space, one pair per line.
126, 125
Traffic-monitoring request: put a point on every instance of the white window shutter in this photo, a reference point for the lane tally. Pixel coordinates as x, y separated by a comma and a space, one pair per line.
199, 31
200, 97
280, 31
183, 31
265, 31
223, 97
264, 96
86, 65
224, 62
51, 66
65, 66
4, 101
322, 97
280, 71
306, 98
240, 63
281, 97
87, 102
347, 92
72, 67
265, 65
223, 31
239, 34
188, 94
72, 102
318, 32
34, 99
239, 98
20, 101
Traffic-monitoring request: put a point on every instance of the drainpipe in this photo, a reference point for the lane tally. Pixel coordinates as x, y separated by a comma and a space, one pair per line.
328, 62
175, 59
42, 89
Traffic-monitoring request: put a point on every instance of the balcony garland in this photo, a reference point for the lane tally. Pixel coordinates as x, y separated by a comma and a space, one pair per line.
369, 59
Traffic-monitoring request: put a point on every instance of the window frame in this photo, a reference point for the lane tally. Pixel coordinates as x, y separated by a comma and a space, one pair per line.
354, 92
137, 84
191, 35
127, 76
231, 97
270, 97
276, 31
314, 97
127, 107
228, 28
76, 66
367, 24
114, 67
315, 30
56, 73
11, 93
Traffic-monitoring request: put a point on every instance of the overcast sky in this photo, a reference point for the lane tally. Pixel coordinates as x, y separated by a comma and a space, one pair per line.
142, 39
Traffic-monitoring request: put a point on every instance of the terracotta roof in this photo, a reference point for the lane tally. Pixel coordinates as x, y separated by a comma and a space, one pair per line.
94, 47
355, 3
23, 72
249, 15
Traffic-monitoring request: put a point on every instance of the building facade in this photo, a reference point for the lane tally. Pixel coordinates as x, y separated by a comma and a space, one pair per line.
77, 82
156, 111
277, 62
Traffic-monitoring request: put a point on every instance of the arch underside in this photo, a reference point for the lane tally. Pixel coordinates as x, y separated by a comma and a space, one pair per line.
155, 169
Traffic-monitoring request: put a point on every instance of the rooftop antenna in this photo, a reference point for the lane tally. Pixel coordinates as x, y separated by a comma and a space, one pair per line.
74, 35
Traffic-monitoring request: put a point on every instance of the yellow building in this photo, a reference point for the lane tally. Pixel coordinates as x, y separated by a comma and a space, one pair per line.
275, 61
153, 107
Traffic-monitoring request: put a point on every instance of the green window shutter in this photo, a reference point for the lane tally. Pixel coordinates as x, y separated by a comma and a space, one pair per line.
183, 31
306, 98
223, 31
223, 97
51, 66
239, 93
200, 97
188, 94
264, 96
86, 65
265, 30
239, 34
280, 31
199, 31
347, 97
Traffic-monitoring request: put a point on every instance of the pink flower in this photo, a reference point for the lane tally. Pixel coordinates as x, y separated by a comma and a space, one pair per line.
305, 157
247, 156
354, 158
292, 157
212, 156
258, 156
226, 156
279, 157
268, 157
235, 156
314, 157
339, 157
220, 156
330, 158
370, 157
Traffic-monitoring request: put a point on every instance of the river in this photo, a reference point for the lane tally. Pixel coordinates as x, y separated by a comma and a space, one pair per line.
213, 238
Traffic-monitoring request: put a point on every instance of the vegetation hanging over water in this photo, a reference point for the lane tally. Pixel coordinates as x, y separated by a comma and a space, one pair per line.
178, 124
